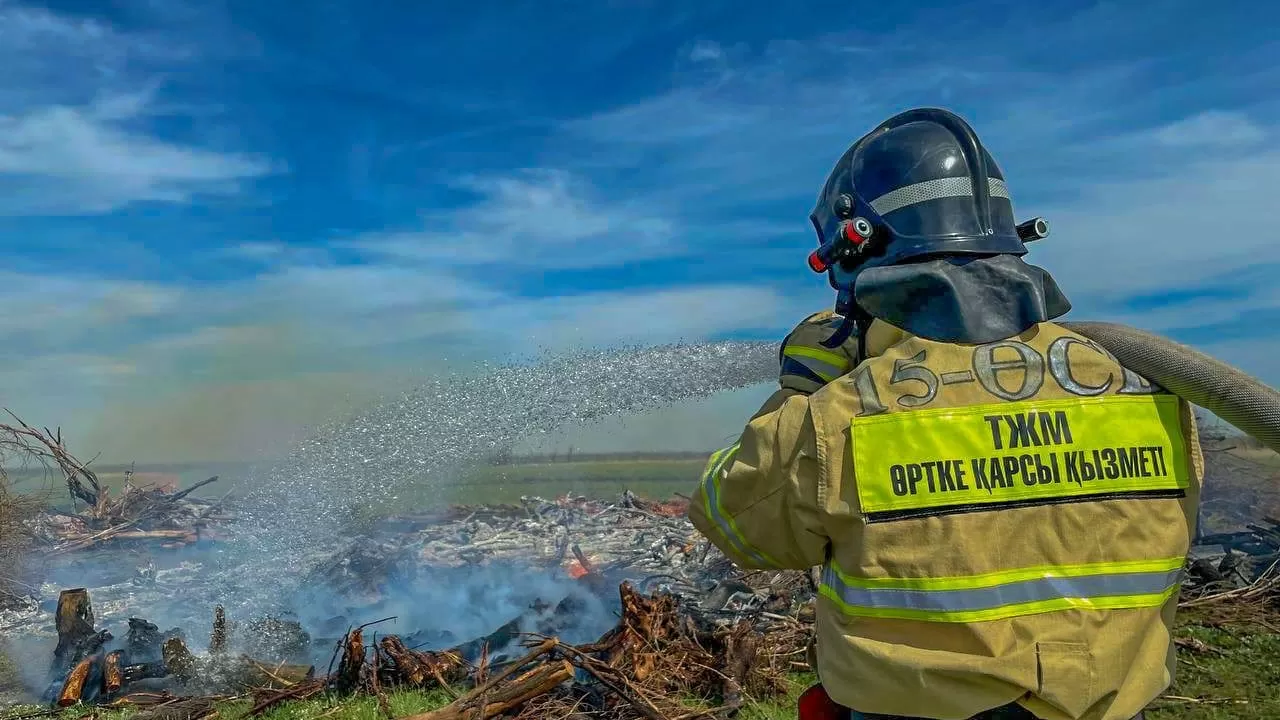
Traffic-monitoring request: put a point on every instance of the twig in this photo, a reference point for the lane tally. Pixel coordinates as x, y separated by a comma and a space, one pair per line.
179, 495
1204, 701
588, 664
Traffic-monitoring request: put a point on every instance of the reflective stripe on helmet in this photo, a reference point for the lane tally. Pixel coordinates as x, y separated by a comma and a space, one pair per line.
1013, 593
934, 190
711, 505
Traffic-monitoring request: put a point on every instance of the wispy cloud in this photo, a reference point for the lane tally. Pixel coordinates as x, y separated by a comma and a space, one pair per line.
327, 219
706, 51
537, 218
84, 160
1144, 203
78, 121
1212, 128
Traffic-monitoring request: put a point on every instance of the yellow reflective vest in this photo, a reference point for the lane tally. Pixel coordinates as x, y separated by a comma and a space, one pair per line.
995, 523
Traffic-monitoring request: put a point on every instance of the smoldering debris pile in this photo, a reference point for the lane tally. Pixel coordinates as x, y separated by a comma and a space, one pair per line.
661, 653
1234, 577
664, 650
633, 533
682, 622
687, 623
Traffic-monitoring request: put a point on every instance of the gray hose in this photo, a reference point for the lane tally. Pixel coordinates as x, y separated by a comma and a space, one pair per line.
1250, 405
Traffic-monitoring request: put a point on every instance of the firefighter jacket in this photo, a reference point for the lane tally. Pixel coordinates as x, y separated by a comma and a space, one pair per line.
995, 523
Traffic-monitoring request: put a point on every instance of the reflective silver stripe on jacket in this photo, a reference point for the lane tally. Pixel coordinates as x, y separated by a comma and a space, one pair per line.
937, 603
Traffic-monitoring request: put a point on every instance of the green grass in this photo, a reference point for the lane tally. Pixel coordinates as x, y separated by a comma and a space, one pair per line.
656, 478
601, 479
406, 702
1226, 665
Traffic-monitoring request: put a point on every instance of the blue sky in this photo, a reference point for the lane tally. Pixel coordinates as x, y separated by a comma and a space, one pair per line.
223, 218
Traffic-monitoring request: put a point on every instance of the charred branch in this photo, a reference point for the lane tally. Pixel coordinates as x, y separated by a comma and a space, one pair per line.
178, 660
112, 672
74, 686
352, 664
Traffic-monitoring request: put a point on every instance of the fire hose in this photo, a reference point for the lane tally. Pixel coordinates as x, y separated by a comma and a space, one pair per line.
1244, 401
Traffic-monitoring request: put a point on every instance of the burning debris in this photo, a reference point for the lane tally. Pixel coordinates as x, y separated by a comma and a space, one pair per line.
685, 622
653, 615
662, 651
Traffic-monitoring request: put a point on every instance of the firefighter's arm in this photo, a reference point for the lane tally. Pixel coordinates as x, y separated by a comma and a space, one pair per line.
758, 499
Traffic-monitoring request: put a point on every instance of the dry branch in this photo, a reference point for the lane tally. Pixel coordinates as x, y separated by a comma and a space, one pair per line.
25, 444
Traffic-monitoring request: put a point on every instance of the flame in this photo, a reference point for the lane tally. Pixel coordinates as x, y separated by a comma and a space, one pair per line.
576, 570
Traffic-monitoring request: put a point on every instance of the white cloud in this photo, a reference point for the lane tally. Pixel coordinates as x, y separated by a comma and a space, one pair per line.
706, 51
164, 371
1213, 128
213, 369
53, 310
1131, 209
83, 160
1205, 218
769, 129
76, 115
540, 218
647, 316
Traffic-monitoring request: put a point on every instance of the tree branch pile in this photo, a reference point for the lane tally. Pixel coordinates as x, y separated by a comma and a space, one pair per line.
150, 515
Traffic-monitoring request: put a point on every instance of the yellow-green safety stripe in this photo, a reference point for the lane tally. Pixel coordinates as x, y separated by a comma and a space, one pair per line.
826, 365
1012, 593
714, 510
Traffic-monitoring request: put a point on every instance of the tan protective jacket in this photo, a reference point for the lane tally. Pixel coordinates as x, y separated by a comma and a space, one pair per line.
996, 523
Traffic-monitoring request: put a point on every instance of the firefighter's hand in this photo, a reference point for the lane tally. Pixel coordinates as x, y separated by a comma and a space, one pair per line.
806, 363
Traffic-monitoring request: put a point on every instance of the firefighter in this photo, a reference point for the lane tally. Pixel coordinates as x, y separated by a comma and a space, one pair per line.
1000, 510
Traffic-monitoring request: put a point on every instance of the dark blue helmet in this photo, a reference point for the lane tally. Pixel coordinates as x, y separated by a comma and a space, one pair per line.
926, 185
921, 204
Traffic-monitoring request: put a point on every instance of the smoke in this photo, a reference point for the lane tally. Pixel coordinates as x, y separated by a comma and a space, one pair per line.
431, 434
282, 557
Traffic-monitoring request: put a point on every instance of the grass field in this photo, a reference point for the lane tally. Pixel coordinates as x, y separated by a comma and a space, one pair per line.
408, 702
1224, 673
653, 477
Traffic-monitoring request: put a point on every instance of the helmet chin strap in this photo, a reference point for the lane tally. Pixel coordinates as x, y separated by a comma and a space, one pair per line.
855, 318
